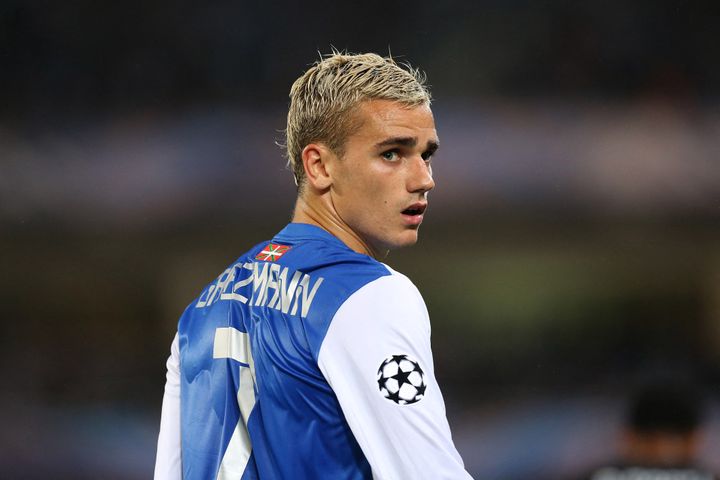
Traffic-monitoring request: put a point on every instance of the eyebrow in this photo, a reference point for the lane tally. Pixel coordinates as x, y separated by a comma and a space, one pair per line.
432, 145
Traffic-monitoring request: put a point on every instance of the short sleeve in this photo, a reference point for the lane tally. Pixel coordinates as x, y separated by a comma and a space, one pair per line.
376, 356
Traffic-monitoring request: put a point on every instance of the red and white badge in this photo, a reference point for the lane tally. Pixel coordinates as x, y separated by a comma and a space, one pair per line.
272, 252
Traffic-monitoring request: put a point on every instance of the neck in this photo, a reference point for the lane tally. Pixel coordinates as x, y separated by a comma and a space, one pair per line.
314, 212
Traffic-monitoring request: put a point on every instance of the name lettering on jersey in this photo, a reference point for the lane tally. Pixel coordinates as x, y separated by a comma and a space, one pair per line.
264, 284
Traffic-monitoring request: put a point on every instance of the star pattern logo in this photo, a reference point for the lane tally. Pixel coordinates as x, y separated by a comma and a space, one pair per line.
401, 380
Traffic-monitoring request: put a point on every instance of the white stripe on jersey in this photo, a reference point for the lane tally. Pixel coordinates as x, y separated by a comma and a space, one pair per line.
232, 343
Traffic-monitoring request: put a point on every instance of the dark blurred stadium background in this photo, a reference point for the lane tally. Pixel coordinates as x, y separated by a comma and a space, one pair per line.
571, 247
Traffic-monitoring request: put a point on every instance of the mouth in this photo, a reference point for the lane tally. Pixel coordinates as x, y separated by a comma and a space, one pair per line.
414, 213
415, 209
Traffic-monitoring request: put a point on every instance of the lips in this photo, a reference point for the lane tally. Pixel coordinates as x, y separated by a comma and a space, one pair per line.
415, 209
413, 215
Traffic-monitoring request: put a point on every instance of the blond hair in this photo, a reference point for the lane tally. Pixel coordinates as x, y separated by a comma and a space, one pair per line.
322, 100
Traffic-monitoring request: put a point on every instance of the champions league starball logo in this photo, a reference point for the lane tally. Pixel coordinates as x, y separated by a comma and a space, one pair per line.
401, 380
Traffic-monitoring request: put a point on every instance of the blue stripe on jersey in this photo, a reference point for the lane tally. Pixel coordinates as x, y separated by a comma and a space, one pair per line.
296, 427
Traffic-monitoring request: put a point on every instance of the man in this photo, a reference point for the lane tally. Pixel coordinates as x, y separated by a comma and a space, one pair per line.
308, 358
661, 436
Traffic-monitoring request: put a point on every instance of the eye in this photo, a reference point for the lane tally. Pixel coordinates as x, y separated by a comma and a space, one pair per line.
428, 154
390, 155
429, 151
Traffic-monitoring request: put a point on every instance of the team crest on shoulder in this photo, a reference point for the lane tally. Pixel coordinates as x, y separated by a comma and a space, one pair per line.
401, 380
272, 252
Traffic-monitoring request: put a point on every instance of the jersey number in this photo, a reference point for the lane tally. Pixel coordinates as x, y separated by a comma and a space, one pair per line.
232, 343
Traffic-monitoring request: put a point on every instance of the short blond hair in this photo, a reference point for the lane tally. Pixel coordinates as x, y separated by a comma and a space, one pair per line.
322, 100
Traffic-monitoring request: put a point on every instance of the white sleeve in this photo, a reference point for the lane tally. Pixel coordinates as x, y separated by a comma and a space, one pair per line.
401, 440
168, 463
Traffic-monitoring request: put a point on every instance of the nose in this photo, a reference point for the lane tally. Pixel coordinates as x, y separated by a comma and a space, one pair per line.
420, 179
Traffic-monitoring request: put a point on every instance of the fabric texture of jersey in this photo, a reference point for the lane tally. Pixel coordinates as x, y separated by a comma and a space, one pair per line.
277, 367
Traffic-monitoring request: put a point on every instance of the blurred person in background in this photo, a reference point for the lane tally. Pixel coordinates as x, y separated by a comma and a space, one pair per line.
308, 358
661, 435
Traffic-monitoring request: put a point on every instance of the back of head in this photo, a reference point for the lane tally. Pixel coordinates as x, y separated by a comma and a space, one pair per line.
663, 425
667, 406
322, 100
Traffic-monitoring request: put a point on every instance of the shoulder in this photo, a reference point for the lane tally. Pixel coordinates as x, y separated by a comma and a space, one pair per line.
341, 270
392, 300
387, 310
358, 297
335, 262
401, 282
390, 292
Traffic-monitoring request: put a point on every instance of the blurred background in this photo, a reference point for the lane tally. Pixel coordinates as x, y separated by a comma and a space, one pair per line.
571, 248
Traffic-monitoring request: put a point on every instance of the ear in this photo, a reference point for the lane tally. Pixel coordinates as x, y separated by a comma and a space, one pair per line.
315, 157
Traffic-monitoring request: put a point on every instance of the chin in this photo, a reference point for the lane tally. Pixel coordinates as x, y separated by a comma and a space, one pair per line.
407, 239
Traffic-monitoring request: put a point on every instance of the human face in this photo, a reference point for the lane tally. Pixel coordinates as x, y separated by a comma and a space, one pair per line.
380, 185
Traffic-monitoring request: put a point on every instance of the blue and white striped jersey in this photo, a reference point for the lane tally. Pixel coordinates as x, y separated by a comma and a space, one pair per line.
305, 360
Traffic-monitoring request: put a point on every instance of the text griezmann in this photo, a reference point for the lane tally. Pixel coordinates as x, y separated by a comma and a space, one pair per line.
263, 284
